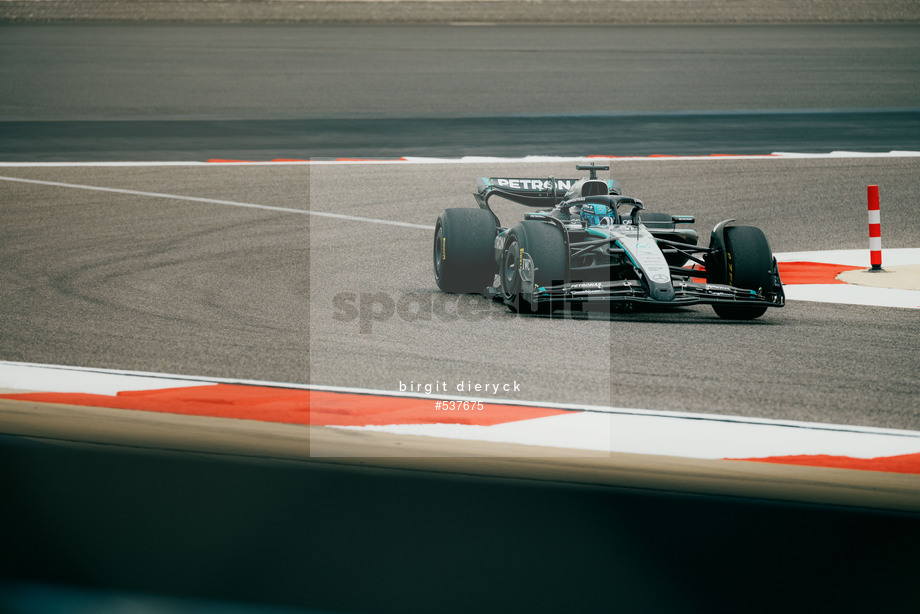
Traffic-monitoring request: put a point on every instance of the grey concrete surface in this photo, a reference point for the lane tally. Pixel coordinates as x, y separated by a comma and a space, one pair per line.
467, 11
138, 72
194, 92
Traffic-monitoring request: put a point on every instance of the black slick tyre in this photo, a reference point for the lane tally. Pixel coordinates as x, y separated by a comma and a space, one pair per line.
463, 250
749, 261
546, 247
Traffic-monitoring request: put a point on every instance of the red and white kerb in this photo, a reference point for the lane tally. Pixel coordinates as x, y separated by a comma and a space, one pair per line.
875, 229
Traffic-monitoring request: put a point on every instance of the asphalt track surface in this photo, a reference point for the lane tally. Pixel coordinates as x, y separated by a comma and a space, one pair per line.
175, 286
124, 280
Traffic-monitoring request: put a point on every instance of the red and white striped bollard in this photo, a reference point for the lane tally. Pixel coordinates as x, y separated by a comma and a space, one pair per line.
875, 230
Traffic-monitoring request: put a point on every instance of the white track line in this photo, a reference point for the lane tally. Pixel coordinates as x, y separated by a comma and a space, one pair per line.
214, 201
851, 294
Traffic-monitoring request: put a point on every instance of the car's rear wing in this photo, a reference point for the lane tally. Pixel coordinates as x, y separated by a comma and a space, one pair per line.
530, 192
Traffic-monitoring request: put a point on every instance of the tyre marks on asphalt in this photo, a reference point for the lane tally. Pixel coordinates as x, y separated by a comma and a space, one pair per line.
810, 274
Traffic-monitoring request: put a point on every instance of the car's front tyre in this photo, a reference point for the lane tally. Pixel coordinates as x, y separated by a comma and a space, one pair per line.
748, 264
545, 245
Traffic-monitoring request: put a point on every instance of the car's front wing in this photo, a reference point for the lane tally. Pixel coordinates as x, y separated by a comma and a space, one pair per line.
633, 291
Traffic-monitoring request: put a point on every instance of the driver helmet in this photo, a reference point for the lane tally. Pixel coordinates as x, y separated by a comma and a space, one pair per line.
593, 213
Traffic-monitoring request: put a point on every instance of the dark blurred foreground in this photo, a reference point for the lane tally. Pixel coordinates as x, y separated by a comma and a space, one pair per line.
110, 528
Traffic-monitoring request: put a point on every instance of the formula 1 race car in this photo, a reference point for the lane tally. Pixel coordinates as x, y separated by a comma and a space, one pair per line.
591, 245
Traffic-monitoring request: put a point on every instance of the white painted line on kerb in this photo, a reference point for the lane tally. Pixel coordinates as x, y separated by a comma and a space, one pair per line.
37, 378
214, 201
40, 377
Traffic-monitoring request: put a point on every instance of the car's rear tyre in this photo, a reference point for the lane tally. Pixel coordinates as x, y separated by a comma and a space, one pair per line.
546, 247
463, 250
749, 261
